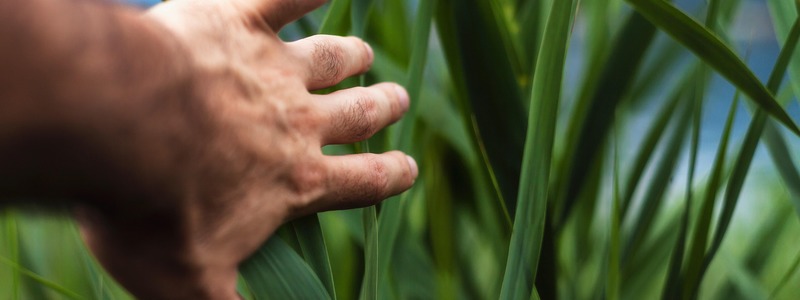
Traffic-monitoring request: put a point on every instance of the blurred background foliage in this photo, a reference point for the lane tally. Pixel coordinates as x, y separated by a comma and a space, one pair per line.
568, 149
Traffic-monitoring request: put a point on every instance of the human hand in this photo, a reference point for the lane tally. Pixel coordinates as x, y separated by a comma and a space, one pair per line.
238, 152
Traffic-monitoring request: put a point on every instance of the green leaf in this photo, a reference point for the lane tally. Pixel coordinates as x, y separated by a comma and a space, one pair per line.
314, 250
41, 280
361, 10
674, 281
369, 288
654, 195
701, 227
593, 115
359, 16
526, 238
276, 271
786, 277
783, 20
487, 90
413, 83
647, 147
441, 217
337, 20
714, 52
613, 281
747, 152
12, 240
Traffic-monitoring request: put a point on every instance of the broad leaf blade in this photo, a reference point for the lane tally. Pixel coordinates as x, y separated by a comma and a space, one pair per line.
276, 271
489, 94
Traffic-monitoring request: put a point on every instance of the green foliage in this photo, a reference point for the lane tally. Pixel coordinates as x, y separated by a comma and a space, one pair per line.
546, 170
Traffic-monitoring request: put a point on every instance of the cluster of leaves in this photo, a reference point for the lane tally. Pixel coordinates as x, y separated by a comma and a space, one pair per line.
525, 189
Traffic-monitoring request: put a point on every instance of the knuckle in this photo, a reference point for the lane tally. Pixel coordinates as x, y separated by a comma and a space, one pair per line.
377, 180
305, 118
307, 182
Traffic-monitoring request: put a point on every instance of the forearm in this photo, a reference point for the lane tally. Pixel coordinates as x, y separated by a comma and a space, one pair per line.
76, 77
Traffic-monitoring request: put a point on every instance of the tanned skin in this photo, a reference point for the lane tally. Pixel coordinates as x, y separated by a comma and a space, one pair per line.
183, 136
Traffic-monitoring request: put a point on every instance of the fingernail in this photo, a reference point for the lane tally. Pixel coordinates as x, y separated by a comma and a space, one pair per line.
402, 96
413, 165
370, 53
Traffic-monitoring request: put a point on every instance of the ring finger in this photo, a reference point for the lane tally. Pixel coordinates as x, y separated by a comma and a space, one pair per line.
357, 113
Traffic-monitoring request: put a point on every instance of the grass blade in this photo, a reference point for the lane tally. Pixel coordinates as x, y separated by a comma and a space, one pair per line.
613, 283
782, 160
714, 52
786, 277
389, 221
587, 130
529, 223
747, 152
419, 55
487, 89
41, 280
276, 270
359, 16
369, 288
647, 148
12, 240
783, 15
314, 250
700, 235
674, 281
783, 18
528, 16
336, 21
658, 185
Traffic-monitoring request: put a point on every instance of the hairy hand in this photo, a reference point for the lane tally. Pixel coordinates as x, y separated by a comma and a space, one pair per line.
238, 152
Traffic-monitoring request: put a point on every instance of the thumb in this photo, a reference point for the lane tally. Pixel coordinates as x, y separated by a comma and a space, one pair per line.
278, 13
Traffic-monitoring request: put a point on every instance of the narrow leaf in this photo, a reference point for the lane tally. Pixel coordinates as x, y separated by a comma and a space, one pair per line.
389, 221
743, 161
654, 195
369, 288
702, 225
674, 281
526, 238
593, 114
714, 52
786, 277
41, 280
315, 252
336, 21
